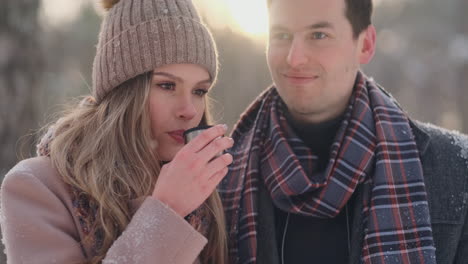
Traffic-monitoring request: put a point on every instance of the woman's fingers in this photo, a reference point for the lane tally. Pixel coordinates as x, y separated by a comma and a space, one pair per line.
206, 137
216, 165
215, 147
216, 178
188, 180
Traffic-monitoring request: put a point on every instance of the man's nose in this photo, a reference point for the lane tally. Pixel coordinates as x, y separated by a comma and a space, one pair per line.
297, 55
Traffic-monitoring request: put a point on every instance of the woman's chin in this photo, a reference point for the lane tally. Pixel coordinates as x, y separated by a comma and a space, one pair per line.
168, 155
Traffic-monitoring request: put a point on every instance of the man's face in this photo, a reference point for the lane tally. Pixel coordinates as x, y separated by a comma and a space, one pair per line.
313, 57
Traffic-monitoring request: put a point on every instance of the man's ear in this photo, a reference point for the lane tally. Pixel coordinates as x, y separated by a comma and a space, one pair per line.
367, 44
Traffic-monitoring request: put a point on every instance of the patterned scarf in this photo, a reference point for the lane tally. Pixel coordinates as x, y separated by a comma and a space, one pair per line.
83, 210
374, 145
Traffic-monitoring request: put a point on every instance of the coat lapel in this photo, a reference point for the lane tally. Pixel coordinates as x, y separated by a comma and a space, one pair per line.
267, 250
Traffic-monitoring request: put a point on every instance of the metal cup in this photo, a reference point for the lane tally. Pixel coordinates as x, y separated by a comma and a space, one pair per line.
191, 133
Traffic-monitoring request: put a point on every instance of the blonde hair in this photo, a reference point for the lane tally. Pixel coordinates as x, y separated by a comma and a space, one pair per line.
102, 151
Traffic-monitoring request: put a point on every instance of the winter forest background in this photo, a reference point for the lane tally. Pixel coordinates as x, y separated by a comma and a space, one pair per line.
47, 48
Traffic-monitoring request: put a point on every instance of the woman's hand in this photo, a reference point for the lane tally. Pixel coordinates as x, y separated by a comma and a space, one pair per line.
187, 181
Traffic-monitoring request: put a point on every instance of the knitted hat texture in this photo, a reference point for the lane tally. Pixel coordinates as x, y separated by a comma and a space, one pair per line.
138, 36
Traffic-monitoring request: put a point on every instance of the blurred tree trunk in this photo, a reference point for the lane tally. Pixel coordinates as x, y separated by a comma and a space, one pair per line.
20, 69
463, 87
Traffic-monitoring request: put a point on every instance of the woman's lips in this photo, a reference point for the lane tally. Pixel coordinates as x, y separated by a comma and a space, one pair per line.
178, 136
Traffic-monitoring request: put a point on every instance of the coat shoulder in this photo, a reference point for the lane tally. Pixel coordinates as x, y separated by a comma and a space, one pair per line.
444, 159
445, 165
444, 141
40, 168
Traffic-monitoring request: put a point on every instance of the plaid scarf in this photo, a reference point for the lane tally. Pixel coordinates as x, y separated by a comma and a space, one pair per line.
374, 145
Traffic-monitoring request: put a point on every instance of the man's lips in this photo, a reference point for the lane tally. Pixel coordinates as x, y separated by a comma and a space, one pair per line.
178, 135
299, 78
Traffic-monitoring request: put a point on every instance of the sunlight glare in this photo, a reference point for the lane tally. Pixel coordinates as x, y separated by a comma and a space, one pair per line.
250, 16
59, 12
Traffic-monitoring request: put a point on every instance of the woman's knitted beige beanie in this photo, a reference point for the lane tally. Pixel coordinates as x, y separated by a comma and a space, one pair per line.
138, 36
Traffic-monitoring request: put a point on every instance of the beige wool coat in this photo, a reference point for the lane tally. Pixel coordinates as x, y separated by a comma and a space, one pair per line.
39, 226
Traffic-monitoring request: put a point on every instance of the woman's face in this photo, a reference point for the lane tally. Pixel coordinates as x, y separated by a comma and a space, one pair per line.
177, 103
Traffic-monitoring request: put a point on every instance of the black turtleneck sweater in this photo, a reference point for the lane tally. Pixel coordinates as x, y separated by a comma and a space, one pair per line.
310, 239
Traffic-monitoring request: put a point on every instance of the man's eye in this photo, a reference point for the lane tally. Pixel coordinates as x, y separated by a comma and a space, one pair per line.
281, 36
319, 35
166, 85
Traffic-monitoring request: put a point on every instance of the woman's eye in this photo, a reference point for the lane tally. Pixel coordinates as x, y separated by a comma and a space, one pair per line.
200, 92
166, 85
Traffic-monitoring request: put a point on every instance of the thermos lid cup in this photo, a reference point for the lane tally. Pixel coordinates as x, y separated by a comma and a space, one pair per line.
191, 133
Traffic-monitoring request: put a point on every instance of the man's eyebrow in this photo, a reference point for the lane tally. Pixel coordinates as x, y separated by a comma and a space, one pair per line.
277, 27
176, 78
318, 25
322, 24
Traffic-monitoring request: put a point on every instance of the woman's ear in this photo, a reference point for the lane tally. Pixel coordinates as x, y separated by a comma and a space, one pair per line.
367, 39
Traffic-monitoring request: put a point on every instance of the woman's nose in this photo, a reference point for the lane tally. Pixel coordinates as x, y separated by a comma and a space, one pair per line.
186, 110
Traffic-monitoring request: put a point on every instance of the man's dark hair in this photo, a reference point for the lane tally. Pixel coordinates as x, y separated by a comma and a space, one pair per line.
358, 13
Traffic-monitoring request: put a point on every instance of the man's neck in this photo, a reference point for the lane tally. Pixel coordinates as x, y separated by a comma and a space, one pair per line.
317, 136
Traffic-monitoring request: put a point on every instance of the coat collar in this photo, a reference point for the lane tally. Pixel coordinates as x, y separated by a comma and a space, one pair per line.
422, 138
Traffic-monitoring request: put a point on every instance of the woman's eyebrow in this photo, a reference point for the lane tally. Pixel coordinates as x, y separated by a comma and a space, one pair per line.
176, 78
208, 81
